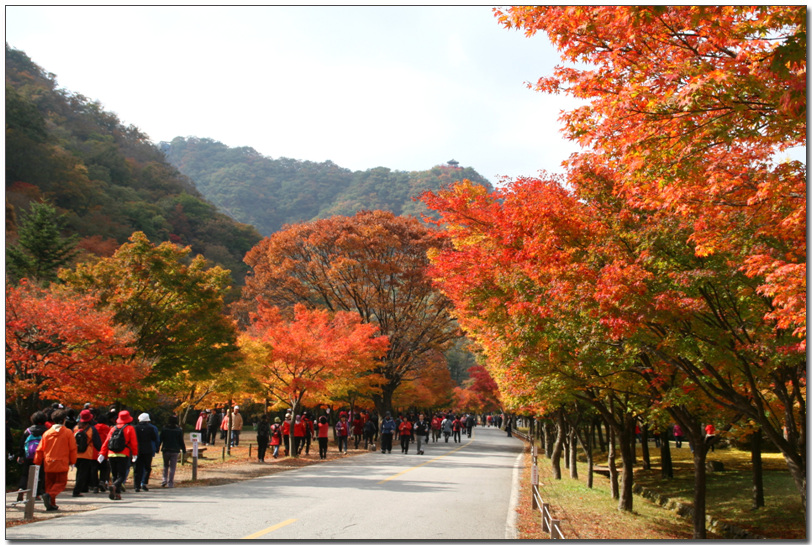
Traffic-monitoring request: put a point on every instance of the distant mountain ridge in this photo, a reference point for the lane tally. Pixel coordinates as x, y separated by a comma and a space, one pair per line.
270, 193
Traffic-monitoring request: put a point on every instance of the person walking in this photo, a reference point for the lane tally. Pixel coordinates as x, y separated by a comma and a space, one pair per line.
357, 429
323, 436
202, 426
470, 422
171, 446
148, 442
369, 433
436, 424
298, 435
405, 434
387, 432
56, 452
455, 429
447, 426
286, 433
678, 435
120, 448
307, 419
88, 445
342, 433
421, 431
710, 435
236, 426
263, 437
213, 424
31, 439
224, 424
276, 436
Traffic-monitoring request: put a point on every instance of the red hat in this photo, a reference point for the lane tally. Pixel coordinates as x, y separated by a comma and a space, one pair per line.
124, 417
85, 416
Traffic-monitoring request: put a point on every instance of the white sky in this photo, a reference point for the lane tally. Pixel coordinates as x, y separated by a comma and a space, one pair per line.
402, 87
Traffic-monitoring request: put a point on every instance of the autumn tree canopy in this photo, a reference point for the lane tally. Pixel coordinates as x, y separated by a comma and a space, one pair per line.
60, 346
373, 264
304, 357
173, 304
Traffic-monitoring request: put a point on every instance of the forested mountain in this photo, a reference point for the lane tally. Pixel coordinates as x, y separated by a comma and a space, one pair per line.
108, 179
269, 193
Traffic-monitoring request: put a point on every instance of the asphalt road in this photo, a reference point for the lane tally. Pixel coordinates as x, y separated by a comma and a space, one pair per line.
458, 491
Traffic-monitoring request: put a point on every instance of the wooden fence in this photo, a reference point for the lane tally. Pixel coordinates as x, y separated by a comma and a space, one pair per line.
549, 524
29, 493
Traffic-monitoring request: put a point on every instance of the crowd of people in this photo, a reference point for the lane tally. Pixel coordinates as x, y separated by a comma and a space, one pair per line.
106, 446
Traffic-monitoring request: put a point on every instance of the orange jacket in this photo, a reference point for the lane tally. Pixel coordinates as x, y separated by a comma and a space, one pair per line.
57, 450
91, 453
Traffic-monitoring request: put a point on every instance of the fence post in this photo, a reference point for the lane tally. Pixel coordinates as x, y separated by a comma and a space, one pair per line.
543, 509
33, 483
249, 449
555, 530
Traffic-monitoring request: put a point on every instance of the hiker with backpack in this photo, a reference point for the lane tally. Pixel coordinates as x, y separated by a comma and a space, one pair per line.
28, 447
101, 469
121, 447
56, 453
88, 445
148, 442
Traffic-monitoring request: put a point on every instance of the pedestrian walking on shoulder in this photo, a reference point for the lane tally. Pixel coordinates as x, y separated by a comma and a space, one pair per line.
323, 436
88, 445
276, 436
286, 433
369, 433
171, 446
342, 433
678, 435
357, 429
121, 453
202, 426
148, 442
263, 437
236, 426
31, 439
56, 452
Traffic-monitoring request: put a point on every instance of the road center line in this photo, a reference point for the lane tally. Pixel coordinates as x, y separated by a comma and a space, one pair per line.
425, 463
270, 529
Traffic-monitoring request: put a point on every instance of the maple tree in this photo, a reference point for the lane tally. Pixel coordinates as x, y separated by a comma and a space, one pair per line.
60, 346
173, 304
302, 357
478, 394
695, 104
373, 264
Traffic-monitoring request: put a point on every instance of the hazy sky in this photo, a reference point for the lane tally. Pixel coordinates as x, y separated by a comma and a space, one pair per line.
401, 87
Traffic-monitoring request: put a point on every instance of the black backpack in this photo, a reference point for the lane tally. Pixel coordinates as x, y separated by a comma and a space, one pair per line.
118, 441
82, 441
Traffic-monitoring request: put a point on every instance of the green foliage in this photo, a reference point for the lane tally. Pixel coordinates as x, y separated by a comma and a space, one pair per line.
107, 179
42, 249
270, 193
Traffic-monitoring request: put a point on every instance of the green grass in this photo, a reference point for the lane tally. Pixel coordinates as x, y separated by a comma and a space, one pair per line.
729, 498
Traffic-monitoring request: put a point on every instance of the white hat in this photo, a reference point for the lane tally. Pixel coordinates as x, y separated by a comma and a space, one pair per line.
143, 417
236, 407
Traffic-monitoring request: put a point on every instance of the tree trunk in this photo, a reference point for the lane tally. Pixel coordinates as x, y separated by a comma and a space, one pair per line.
613, 480
665, 457
559, 445
573, 453
587, 440
758, 474
626, 440
549, 443
700, 482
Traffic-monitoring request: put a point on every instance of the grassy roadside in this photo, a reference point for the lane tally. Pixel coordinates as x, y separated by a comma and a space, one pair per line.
592, 513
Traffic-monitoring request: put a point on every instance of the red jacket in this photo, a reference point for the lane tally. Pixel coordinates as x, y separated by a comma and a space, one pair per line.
405, 428
129, 436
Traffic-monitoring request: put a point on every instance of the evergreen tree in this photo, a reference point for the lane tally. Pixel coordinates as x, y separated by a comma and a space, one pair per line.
41, 249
